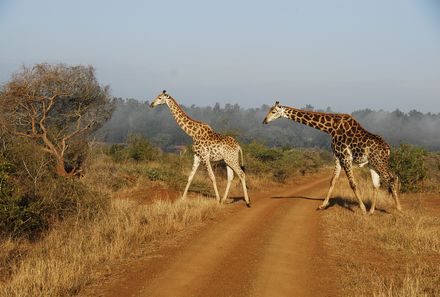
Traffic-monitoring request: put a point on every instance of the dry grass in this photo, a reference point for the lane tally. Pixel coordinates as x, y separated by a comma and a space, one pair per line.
60, 264
143, 211
412, 285
386, 254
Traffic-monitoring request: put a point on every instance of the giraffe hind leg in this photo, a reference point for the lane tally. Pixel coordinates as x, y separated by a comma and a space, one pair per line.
230, 174
376, 184
394, 192
242, 176
393, 186
391, 180
212, 177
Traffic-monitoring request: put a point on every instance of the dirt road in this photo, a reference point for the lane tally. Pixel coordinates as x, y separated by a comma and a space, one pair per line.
272, 249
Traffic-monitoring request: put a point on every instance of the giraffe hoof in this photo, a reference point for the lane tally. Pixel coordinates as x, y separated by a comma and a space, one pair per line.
321, 207
248, 205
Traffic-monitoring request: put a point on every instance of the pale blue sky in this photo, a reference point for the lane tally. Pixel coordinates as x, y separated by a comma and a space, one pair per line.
347, 54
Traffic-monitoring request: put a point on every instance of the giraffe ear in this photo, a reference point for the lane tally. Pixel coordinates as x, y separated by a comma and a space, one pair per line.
164, 91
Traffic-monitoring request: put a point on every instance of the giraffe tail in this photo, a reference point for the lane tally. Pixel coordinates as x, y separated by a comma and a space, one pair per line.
242, 162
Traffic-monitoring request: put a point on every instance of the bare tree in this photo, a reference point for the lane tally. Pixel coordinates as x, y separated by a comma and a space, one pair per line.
54, 104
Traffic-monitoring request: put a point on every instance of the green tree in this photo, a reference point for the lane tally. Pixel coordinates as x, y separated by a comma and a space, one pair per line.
408, 162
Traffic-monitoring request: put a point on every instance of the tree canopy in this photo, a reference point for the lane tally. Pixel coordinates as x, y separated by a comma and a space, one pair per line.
57, 106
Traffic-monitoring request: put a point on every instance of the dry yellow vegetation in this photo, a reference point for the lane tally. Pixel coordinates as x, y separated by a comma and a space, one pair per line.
388, 254
61, 263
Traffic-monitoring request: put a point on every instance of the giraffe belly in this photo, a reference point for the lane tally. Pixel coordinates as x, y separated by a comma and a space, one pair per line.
360, 161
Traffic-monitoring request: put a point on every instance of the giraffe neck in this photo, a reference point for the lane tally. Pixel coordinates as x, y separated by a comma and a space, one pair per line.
317, 120
191, 127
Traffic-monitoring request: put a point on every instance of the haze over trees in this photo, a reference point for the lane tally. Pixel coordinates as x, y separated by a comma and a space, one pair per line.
135, 117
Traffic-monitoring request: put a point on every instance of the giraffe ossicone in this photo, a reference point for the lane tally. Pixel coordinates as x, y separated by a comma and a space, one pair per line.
351, 144
208, 146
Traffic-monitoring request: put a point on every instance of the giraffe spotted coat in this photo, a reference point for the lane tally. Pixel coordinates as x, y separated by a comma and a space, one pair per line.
208, 146
351, 144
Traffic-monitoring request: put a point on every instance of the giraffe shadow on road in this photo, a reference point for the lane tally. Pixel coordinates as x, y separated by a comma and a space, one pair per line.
346, 203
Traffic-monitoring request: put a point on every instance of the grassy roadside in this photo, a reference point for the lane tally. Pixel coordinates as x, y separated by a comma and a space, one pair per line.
134, 214
390, 253
60, 264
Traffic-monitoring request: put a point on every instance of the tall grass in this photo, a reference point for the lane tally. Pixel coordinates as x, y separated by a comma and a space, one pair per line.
412, 285
60, 264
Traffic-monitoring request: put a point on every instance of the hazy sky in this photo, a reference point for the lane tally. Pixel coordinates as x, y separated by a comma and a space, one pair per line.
347, 54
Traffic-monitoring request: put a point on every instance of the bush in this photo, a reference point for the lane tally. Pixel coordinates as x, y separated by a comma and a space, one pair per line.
262, 152
282, 163
407, 161
138, 148
117, 152
18, 214
33, 198
29, 215
22, 216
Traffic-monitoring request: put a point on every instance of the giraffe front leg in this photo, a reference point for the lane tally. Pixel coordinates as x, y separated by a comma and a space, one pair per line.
335, 177
349, 171
196, 164
212, 177
376, 185
230, 174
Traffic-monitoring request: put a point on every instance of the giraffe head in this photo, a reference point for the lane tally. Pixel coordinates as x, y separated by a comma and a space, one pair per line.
160, 99
274, 113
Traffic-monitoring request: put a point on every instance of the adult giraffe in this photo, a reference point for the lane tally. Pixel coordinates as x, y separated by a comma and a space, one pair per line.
207, 146
351, 144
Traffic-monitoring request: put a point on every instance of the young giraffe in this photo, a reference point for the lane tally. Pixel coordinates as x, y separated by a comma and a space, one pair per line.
208, 146
351, 143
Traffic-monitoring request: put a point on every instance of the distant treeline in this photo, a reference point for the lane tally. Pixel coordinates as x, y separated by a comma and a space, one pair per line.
135, 117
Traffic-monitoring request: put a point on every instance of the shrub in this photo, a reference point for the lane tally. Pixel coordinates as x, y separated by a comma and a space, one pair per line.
262, 152
117, 152
138, 148
22, 216
407, 161
18, 214
33, 198
282, 163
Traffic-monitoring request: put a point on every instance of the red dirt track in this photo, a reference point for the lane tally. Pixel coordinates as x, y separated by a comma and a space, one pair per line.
272, 249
